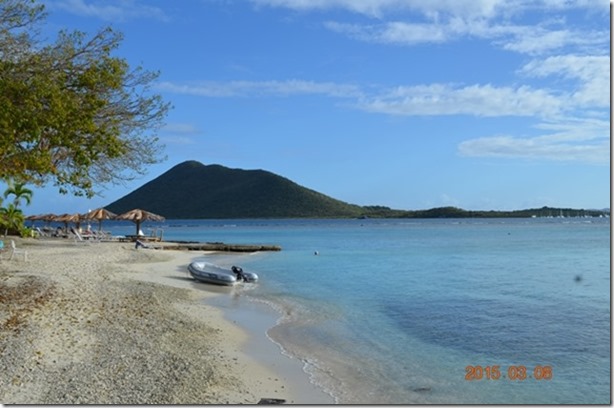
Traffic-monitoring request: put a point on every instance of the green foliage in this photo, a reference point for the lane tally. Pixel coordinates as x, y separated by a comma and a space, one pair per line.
70, 112
20, 191
26, 232
11, 217
11, 220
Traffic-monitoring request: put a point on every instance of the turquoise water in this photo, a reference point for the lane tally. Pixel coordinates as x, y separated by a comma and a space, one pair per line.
393, 311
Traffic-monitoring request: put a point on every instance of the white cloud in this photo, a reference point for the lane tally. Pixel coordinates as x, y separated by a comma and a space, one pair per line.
478, 100
411, 22
535, 148
591, 72
433, 99
436, 8
393, 32
532, 40
535, 40
180, 128
262, 88
179, 133
110, 10
576, 140
379, 8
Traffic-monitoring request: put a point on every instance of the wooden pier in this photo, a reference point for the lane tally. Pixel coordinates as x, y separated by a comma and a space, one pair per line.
217, 246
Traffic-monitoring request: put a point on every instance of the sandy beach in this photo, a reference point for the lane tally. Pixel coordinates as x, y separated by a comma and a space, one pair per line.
104, 323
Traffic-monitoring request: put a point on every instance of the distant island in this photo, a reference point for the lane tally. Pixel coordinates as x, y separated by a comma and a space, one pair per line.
192, 190
454, 212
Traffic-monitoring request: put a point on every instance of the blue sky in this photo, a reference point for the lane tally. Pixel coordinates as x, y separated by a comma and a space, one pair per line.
414, 104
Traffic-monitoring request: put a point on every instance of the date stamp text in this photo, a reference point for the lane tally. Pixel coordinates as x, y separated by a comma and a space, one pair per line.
512, 373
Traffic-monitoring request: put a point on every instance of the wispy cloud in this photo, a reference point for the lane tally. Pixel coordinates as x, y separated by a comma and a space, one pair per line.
180, 128
568, 133
536, 40
411, 22
110, 10
437, 8
179, 133
532, 40
475, 100
566, 94
591, 75
580, 140
380, 8
393, 32
262, 88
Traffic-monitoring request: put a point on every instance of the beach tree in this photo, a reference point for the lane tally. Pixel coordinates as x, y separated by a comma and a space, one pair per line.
20, 191
72, 113
11, 219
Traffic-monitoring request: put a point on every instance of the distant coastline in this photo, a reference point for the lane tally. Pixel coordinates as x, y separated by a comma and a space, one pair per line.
454, 212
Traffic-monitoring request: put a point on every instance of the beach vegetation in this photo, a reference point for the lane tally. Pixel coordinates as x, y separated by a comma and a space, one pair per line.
19, 191
72, 113
11, 217
11, 220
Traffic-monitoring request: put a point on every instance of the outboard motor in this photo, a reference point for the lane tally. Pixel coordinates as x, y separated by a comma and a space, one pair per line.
237, 270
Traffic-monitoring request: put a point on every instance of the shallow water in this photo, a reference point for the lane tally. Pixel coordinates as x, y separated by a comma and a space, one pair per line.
394, 311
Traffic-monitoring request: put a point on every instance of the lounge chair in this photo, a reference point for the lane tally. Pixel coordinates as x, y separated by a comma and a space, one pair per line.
39, 233
15, 250
103, 236
78, 238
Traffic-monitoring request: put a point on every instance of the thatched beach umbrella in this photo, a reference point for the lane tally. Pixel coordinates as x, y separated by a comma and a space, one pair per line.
99, 215
37, 217
66, 218
47, 218
137, 216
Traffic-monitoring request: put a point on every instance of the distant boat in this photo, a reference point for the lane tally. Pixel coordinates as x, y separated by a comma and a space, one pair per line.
211, 273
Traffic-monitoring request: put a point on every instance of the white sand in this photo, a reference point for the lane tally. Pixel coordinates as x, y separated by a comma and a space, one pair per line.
104, 323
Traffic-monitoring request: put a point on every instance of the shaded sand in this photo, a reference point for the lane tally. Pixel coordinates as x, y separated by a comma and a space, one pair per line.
104, 323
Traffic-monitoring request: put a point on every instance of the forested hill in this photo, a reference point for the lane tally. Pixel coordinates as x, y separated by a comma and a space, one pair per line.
193, 190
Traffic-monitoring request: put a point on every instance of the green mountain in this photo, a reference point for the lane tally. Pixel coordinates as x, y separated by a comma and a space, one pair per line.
193, 190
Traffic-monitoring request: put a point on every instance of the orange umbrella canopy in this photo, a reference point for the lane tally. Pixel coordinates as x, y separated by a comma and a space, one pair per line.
100, 214
137, 216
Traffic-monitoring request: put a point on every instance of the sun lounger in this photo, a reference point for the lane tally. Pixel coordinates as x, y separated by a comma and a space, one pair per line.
41, 234
78, 238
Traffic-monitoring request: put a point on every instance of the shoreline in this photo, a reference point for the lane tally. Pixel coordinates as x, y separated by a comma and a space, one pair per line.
104, 323
253, 320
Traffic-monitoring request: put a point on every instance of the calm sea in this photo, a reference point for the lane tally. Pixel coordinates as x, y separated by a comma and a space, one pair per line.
500, 311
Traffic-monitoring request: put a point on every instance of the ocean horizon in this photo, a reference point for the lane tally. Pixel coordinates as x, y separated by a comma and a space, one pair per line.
430, 311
